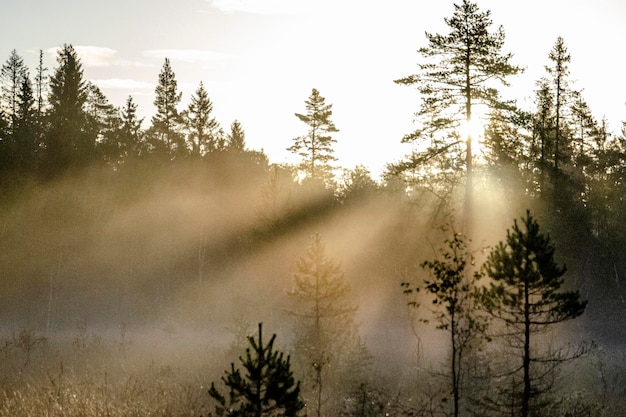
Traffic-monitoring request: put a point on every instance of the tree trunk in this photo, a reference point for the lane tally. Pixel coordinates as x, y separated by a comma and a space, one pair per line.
526, 358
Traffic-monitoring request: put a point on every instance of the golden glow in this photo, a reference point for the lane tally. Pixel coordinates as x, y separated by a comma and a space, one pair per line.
473, 129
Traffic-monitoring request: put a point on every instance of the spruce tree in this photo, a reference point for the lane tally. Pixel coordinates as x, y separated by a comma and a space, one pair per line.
68, 143
236, 137
12, 77
265, 388
130, 135
201, 124
166, 126
25, 130
543, 128
326, 334
559, 70
102, 117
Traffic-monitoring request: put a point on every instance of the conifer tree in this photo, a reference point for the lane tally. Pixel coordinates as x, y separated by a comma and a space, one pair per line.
40, 81
326, 335
459, 70
166, 123
316, 146
12, 77
236, 137
543, 128
525, 297
40, 93
202, 126
102, 116
68, 142
130, 135
559, 71
25, 130
265, 388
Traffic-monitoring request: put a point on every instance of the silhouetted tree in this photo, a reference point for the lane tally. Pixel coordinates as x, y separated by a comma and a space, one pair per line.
165, 131
201, 124
131, 140
236, 137
543, 129
559, 71
40, 83
19, 120
453, 292
356, 183
12, 77
525, 297
102, 117
40, 92
458, 71
68, 142
25, 130
267, 387
316, 146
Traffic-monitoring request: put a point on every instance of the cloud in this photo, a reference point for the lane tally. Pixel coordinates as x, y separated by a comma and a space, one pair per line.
125, 84
187, 55
259, 6
98, 56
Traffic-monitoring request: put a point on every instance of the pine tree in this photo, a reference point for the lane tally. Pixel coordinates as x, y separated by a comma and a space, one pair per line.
316, 146
459, 70
203, 127
525, 297
267, 387
166, 123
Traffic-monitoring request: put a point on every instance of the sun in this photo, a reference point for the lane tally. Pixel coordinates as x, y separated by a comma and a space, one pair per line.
474, 130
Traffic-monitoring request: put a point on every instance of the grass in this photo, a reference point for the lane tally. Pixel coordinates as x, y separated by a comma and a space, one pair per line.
91, 376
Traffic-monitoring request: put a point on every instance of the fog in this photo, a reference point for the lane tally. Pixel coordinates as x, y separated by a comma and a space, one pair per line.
149, 279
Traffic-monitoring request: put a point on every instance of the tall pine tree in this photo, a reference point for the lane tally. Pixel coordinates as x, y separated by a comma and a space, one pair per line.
315, 148
459, 70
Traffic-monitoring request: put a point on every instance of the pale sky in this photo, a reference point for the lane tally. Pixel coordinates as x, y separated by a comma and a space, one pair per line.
259, 59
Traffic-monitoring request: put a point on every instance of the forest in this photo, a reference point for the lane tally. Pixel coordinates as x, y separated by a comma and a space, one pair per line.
162, 267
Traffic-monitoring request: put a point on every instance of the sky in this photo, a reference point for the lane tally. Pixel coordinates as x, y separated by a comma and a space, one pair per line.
260, 59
